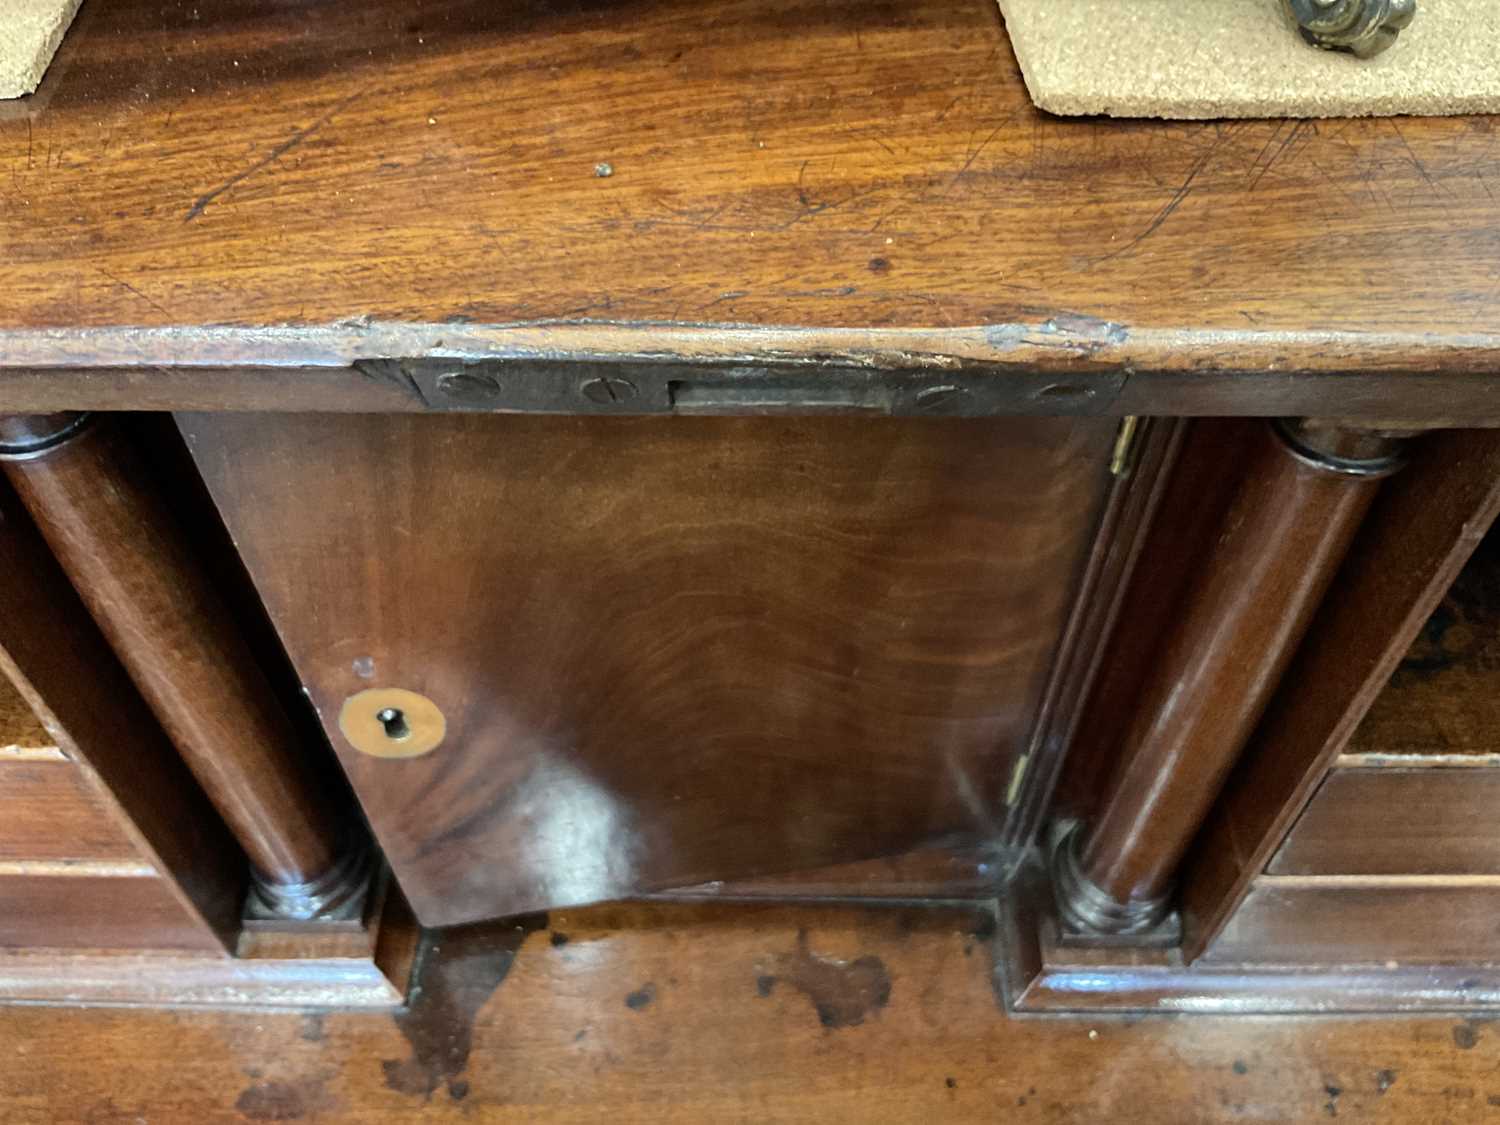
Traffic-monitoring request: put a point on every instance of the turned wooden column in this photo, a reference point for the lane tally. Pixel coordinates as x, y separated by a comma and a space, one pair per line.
1304, 490
130, 562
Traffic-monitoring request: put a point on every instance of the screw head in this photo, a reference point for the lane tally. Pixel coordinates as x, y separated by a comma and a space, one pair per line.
1064, 392
608, 390
467, 386
941, 399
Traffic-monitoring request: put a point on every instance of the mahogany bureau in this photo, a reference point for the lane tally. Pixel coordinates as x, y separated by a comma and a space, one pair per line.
496, 458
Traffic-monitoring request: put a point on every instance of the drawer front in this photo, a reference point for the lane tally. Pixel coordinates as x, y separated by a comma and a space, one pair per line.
1316, 922
96, 912
49, 811
1398, 822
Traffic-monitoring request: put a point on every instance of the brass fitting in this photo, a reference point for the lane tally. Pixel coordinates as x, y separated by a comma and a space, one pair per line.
1361, 27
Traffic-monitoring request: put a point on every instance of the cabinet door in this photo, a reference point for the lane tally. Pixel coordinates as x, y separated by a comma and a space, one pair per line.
666, 651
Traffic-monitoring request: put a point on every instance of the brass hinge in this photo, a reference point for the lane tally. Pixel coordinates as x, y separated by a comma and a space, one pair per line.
1122, 460
538, 385
1017, 775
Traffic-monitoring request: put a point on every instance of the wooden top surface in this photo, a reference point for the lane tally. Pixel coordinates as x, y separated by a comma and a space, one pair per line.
835, 164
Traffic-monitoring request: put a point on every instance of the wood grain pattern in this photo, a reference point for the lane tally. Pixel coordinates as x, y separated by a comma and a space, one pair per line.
66, 672
668, 651
1423, 528
1444, 699
532, 1028
351, 964
126, 554
86, 912
1038, 970
1300, 922
791, 163
1145, 468
49, 811
1397, 822
1174, 548
1280, 542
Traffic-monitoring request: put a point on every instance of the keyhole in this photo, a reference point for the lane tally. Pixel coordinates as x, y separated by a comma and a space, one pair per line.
393, 719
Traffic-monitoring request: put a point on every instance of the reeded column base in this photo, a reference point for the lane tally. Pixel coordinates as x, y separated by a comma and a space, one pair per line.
1086, 911
337, 895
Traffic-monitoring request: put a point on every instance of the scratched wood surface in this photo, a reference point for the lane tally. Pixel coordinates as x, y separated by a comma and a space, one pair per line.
823, 163
730, 1014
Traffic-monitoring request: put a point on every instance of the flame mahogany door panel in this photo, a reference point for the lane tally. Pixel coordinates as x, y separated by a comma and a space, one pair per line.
667, 651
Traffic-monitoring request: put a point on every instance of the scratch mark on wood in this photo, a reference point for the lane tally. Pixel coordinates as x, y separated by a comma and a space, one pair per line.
1297, 130
1161, 216
973, 156
120, 281
1416, 160
286, 146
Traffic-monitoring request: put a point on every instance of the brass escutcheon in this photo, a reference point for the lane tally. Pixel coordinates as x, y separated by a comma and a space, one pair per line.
392, 723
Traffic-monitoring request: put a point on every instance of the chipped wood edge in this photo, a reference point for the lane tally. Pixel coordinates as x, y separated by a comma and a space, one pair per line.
1432, 381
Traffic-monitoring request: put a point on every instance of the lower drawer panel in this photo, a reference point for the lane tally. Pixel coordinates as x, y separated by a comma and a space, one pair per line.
1321, 922
48, 811
1398, 822
96, 912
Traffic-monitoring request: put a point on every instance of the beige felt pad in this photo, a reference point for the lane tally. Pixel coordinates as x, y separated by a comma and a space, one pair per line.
30, 31
1243, 58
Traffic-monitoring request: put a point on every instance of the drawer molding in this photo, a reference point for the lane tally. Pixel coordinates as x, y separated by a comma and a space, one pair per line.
1389, 823
78, 868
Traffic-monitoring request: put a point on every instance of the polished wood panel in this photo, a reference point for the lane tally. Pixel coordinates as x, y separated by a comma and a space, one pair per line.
772, 162
90, 912
136, 570
52, 651
1333, 922
50, 811
1423, 528
1281, 539
1397, 822
668, 651
1444, 699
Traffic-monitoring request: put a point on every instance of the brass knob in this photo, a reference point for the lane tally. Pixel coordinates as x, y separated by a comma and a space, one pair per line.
392, 723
